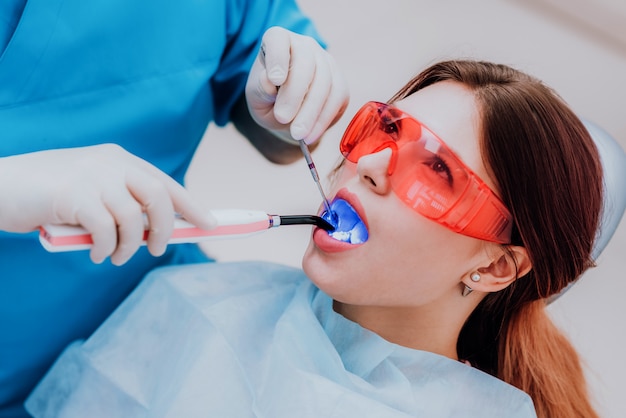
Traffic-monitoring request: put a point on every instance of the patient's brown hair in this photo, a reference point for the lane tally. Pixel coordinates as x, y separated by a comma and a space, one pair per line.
548, 173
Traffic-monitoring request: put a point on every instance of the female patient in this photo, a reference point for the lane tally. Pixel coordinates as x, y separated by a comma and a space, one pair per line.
460, 207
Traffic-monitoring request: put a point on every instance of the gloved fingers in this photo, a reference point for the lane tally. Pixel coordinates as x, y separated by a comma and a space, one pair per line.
264, 90
260, 96
159, 197
333, 108
260, 91
313, 103
81, 202
141, 196
102, 188
96, 218
295, 88
180, 198
153, 199
303, 72
275, 54
129, 222
187, 208
314, 94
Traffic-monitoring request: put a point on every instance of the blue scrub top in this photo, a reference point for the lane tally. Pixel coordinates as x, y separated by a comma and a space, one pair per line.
149, 75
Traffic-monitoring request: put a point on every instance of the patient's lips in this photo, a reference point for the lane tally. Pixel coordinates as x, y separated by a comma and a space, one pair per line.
349, 227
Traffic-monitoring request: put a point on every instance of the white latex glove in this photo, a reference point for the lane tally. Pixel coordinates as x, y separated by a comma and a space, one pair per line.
103, 188
313, 93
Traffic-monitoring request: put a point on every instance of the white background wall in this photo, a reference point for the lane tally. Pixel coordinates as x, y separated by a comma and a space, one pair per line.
578, 49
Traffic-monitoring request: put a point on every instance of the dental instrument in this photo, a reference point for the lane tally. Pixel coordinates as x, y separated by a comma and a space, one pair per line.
316, 179
230, 223
309, 159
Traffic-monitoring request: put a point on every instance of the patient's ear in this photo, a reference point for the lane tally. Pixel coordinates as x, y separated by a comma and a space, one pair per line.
503, 271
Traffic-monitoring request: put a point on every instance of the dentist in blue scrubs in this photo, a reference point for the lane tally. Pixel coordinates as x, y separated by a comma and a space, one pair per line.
102, 106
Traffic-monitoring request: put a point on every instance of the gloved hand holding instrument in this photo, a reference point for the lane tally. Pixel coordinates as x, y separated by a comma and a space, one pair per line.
294, 90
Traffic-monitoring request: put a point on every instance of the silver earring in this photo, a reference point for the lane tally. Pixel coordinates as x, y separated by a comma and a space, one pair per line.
467, 290
475, 277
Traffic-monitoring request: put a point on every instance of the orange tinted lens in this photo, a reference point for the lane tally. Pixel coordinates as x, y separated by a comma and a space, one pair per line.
427, 176
360, 135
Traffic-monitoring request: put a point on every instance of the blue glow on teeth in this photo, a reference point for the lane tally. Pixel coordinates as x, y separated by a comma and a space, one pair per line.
349, 227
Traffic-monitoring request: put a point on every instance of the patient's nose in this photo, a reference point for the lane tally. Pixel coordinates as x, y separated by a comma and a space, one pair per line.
373, 170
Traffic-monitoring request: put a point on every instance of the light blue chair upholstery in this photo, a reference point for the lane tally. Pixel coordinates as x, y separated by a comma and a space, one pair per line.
614, 165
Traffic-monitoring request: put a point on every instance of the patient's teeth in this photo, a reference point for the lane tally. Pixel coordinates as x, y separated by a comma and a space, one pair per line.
349, 227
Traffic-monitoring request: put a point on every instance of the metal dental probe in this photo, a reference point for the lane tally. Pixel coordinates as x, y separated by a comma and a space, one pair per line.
307, 154
316, 177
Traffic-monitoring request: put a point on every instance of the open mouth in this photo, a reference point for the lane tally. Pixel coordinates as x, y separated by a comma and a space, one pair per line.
349, 227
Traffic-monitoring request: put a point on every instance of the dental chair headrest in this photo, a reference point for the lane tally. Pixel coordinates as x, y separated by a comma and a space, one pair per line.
614, 166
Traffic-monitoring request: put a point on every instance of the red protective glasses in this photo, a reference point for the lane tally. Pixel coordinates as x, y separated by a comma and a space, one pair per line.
426, 174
